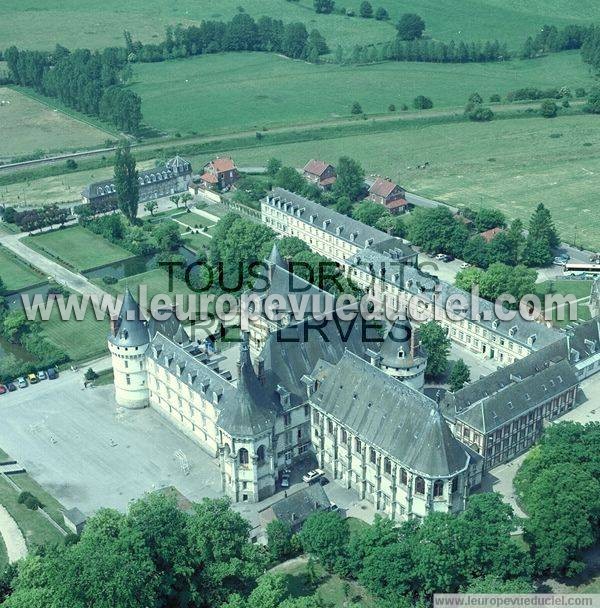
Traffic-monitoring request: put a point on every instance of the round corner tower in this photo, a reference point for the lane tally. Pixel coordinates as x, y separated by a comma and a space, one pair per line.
128, 342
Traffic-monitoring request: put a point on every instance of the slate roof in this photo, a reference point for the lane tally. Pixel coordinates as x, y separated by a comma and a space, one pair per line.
316, 167
392, 416
519, 397
295, 350
584, 340
521, 369
297, 507
398, 339
255, 408
131, 325
327, 219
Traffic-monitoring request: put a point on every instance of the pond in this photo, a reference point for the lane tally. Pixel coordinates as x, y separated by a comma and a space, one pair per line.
134, 265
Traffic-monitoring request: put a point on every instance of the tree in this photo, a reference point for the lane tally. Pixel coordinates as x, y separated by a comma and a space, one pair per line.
393, 224
324, 6
294, 40
437, 230
317, 43
344, 205
90, 375
175, 199
487, 218
503, 248
369, 212
126, 181
151, 207
381, 14
269, 593
541, 239
391, 108
459, 375
325, 535
290, 179
410, 26
548, 109
356, 108
420, 102
279, 540
593, 104
478, 113
495, 585
350, 180
168, 237
366, 10
437, 347
476, 251
273, 166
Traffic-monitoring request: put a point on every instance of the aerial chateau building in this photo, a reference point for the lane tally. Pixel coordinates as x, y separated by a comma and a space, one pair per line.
339, 392
172, 177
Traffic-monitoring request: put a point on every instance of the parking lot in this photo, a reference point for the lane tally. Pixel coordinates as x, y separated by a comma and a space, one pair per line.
89, 454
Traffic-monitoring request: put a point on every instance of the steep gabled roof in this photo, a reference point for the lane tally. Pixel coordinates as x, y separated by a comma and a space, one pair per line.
297, 507
316, 167
390, 415
382, 187
222, 163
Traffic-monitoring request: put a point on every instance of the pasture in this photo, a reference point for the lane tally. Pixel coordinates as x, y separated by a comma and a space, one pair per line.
29, 125
511, 164
263, 90
71, 23
77, 247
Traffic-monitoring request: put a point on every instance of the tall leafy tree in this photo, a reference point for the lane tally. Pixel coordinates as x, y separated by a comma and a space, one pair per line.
437, 346
350, 180
459, 375
126, 182
410, 27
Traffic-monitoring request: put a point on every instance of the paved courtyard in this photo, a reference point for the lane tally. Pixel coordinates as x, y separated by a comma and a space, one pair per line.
89, 454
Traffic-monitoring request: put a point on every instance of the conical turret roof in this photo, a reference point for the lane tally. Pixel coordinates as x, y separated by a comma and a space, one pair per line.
275, 258
255, 408
131, 327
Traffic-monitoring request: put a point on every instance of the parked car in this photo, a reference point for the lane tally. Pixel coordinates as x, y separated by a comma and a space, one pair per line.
465, 265
559, 261
21, 382
41, 375
52, 373
3, 389
33, 379
285, 480
313, 475
11, 387
448, 258
440, 256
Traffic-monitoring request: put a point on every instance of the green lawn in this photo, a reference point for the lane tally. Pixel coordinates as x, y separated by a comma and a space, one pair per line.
155, 281
265, 90
35, 528
196, 242
329, 588
510, 164
81, 340
29, 125
76, 24
77, 247
14, 273
578, 289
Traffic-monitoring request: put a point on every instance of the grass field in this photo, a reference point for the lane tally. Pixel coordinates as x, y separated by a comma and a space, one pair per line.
43, 23
14, 273
28, 126
77, 247
81, 340
264, 90
509, 164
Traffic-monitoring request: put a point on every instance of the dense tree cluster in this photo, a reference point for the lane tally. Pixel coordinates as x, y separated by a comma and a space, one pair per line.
35, 219
559, 485
428, 51
437, 230
89, 82
410, 562
552, 40
532, 93
498, 279
241, 33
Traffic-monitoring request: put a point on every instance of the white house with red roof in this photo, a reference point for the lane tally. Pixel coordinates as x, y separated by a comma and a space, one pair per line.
220, 173
320, 173
388, 194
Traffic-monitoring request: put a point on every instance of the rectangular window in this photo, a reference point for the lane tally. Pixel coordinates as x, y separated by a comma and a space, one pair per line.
373, 456
358, 445
306, 410
287, 419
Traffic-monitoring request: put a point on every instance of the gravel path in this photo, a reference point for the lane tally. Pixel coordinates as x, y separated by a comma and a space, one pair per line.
12, 536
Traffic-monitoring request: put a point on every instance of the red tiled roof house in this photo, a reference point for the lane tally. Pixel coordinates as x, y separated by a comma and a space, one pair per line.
489, 235
388, 194
220, 173
320, 173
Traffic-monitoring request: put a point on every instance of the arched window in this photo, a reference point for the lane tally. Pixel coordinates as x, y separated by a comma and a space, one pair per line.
387, 465
243, 454
260, 454
438, 488
100, 190
419, 485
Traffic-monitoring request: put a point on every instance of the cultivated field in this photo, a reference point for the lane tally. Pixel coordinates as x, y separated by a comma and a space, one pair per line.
76, 24
510, 164
28, 126
264, 90
77, 247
